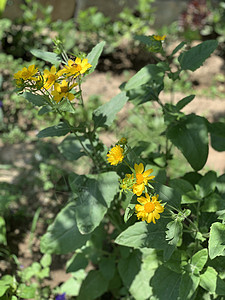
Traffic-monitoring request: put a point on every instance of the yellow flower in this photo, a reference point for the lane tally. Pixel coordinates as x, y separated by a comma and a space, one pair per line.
115, 155
26, 73
142, 178
149, 208
159, 37
62, 90
76, 67
50, 77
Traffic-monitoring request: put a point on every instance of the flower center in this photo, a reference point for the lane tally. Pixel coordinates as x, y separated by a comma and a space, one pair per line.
64, 89
140, 178
149, 207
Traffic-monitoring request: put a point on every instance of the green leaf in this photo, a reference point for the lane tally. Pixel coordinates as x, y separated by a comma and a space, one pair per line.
190, 136
105, 114
44, 110
58, 130
167, 195
165, 284
180, 46
194, 58
183, 102
95, 194
63, 235
207, 184
188, 285
199, 260
174, 232
51, 57
145, 75
94, 55
46, 260
26, 292
213, 203
3, 289
2, 231
71, 148
37, 100
93, 286
212, 282
217, 133
216, 240
72, 286
141, 235
107, 267
77, 262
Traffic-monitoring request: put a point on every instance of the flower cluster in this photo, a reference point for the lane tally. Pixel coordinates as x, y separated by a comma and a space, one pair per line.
57, 85
137, 182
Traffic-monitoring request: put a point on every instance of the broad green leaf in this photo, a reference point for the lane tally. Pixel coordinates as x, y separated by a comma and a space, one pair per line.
192, 59
181, 185
216, 240
183, 102
26, 292
141, 235
77, 262
51, 57
213, 203
46, 260
72, 286
199, 260
44, 110
95, 194
63, 235
145, 93
94, 55
105, 114
188, 285
129, 267
174, 232
71, 148
2, 232
93, 286
190, 136
147, 74
217, 133
107, 267
3, 289
165, 284
58, 130
37, 100
167, 194
207, 184
212, 282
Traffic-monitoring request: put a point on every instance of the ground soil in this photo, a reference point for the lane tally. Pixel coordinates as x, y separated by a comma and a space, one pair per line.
107, 86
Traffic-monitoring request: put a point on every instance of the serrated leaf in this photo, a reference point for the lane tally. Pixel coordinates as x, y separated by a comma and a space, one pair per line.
216, 240
190, 136
58, 130
147, 74
174, 232
37, 100
105, 114
51, 57
94, 55
63, 235
95, 194
195, 57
